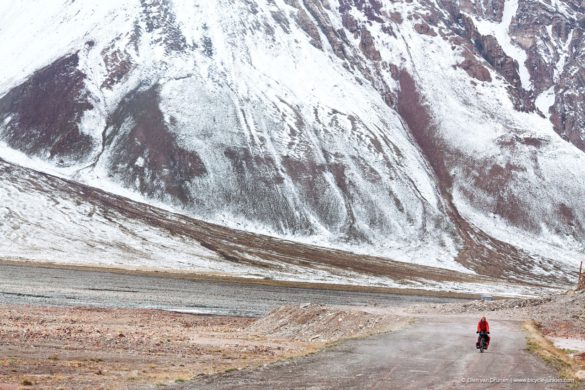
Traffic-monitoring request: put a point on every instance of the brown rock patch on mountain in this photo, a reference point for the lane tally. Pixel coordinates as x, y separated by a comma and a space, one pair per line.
145, 154
41, 116
425, 29
475, 69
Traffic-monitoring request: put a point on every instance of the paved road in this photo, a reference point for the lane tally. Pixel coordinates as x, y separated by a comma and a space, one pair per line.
435, 353
62, 287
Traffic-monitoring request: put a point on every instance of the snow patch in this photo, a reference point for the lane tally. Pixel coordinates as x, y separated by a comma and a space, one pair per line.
139, 162
545, 100
572, 344
501, 32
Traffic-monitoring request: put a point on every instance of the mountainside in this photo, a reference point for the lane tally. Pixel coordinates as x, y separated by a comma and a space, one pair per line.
51, 220
448, 133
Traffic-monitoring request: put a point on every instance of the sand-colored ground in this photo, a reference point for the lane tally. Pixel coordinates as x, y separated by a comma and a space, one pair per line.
90, 348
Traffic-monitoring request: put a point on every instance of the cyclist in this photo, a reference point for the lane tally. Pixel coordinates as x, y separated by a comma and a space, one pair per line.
483, 330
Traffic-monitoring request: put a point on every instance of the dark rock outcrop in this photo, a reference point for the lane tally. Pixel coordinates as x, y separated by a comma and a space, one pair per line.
144, 154
42, 116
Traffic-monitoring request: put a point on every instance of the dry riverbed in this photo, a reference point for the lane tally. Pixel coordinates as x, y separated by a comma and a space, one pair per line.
92, 348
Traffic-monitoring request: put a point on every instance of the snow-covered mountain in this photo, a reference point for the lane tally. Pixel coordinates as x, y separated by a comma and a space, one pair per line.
441, 132
48, 219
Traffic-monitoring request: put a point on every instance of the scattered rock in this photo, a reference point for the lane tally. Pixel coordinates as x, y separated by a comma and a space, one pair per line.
425, 29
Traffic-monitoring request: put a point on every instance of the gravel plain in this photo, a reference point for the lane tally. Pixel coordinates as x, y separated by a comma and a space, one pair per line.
66, 287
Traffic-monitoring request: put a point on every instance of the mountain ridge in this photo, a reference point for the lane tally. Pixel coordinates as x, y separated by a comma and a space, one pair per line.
415, 131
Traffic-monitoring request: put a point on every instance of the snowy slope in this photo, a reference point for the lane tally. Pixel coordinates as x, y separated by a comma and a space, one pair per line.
51, 220
512, 174
46, 222
266, 131
407, 130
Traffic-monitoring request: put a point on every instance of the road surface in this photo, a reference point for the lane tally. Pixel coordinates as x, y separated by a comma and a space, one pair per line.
20, 284
434, 353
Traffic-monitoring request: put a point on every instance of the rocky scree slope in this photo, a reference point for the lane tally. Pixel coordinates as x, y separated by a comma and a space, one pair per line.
441, 132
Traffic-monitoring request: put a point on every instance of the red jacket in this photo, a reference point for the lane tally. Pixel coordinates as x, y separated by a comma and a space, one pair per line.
483, 326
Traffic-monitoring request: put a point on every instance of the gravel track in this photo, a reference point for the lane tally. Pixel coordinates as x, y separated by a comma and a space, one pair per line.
435, 353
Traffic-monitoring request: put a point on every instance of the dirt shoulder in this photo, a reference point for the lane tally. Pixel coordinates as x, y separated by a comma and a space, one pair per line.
76, 348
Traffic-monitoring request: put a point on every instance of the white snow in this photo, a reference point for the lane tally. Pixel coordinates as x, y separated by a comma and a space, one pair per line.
477, 123
564, 55
21, 159
545, 100
288, 78
36, 32
501, 32
278, 97
572, 345
47, 222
